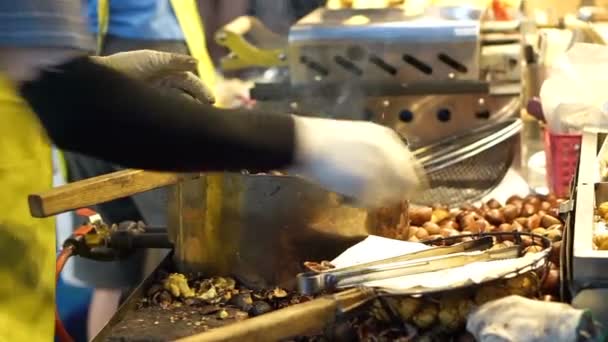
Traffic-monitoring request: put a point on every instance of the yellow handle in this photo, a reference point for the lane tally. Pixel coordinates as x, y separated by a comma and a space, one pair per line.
190, 21
244, 54
103, 17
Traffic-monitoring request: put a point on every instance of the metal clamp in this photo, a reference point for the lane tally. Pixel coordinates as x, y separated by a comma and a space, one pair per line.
433, 259
566, 207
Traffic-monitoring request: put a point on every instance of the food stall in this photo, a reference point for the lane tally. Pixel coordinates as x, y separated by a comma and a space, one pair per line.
267, 256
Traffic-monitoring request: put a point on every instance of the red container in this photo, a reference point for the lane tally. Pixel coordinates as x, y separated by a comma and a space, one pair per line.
561, 152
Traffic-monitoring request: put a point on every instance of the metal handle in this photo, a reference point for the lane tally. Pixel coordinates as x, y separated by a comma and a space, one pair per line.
401, 269
473, 245
315, 282
311, 283
243, 54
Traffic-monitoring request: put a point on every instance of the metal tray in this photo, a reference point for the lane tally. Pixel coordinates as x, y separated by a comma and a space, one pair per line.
588, 265
131, 323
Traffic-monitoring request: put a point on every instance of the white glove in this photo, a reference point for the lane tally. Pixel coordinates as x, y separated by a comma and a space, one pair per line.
519, 319
168, 71
358, 159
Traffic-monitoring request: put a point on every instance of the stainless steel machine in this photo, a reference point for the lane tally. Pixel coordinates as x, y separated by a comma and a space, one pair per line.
431, 75
428, 75
587, 260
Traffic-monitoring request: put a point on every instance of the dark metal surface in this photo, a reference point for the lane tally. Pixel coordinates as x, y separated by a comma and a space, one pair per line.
281, 91
259, 228
134, 322
128, 307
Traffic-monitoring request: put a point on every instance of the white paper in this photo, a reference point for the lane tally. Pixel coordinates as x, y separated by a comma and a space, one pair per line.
573, 95
377, 248
512, 184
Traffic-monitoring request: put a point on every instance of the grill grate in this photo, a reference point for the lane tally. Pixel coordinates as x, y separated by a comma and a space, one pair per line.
470, 179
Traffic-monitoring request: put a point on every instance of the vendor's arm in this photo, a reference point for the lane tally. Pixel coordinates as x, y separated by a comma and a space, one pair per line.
94, 109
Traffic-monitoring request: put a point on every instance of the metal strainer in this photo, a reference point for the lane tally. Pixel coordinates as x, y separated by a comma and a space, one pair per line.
465, 168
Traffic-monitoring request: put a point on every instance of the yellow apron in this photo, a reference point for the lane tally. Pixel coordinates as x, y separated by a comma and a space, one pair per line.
192, 27
27, 245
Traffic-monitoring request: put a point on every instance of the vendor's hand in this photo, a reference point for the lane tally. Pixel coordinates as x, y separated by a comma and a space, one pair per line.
518, 319
362, 160
168, 71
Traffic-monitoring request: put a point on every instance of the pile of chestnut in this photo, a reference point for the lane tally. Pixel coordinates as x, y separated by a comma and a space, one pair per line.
534, 214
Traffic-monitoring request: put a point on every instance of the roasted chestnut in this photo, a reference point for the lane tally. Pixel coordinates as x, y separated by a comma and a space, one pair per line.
515, 199
546, 206
494, 204
554, 235
447, 232
539, 231
551, 283
469, 219
426, 316
533, 222
556, 249
533, 200
449, 224
510, 212
431, 228
548, 221
533, 249
259, 308
420, 215
495, 217
528, 210
439, 215
422, 234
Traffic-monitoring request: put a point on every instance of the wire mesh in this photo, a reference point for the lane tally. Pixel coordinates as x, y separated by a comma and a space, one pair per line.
469, 180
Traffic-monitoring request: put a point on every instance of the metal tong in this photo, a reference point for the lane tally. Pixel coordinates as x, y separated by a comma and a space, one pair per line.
433, 259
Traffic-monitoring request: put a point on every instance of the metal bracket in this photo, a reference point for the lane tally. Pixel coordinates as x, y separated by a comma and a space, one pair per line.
566, 207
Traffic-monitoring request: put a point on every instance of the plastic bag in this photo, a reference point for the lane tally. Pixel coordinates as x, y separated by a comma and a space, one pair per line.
574, 95
519, 319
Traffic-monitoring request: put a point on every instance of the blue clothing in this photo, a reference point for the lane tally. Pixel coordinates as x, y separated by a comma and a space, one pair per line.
139, 19
44, 23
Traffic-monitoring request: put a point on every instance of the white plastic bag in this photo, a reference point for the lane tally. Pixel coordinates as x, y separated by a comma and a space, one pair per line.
575, 94
519, 319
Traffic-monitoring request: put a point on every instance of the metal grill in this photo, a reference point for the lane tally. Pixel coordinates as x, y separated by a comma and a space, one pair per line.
389, 46
431, 76
469, 180
467, 177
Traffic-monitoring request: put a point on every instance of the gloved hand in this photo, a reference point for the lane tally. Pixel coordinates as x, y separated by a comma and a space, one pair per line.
362, 160
519, 319
168, 71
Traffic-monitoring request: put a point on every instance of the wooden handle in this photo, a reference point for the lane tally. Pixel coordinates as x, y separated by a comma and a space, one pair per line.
275, 326
98, 190
300, 319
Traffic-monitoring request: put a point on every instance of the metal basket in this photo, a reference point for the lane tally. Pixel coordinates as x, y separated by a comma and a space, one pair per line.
465, 168
538, 265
